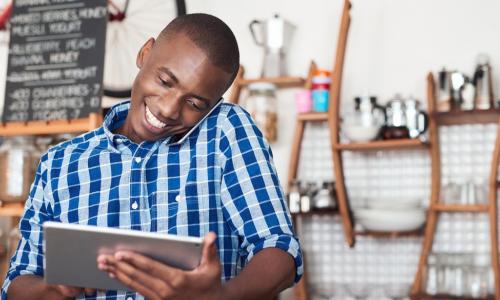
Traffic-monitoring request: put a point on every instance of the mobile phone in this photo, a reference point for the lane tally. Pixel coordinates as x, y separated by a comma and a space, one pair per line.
186, 135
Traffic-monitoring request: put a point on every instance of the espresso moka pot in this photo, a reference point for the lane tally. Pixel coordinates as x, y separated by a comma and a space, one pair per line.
274, 36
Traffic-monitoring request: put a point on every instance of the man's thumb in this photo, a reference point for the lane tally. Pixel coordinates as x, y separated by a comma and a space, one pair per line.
209, 253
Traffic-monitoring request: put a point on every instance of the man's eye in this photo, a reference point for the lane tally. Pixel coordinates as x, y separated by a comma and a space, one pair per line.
193, 104
164, 82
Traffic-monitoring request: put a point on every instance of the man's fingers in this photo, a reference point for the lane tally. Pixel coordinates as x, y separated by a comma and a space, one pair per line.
69, 291
209, 253
141, 282
90, 292
148, 265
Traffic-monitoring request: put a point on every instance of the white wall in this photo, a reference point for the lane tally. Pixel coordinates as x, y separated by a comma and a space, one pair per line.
392, 44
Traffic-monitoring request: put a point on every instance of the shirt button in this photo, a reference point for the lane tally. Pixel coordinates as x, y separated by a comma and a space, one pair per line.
135, 205
130, 298
138, 159
178, 198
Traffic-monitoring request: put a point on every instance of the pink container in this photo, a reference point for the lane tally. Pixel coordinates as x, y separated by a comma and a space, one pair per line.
303, 101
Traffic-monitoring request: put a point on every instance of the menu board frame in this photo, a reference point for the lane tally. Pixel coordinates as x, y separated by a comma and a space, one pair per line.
63, 86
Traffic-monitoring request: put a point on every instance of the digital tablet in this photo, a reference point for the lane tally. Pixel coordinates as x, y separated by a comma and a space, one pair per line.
71, 252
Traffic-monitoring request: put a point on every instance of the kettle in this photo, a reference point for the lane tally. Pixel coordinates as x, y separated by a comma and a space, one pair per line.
274, 36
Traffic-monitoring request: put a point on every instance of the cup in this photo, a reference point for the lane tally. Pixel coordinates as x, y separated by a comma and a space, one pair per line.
320, 100
303, 101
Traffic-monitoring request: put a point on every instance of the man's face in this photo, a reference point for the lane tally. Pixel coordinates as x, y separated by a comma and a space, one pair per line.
175, 87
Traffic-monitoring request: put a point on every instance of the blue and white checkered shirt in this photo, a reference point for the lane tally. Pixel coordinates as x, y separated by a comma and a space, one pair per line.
221, 179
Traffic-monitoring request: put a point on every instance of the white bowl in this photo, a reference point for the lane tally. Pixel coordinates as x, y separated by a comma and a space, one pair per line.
398, 203
360, 133
390, 220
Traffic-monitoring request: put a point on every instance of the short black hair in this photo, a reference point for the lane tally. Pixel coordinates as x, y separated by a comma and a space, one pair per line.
212, 35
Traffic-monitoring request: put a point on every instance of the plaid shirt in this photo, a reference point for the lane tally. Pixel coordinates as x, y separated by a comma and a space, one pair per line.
221, 179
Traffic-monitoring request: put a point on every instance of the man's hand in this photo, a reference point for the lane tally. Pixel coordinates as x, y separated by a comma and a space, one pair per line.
157, 281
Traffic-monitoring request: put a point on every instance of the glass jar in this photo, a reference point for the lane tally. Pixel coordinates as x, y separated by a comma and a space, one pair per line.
261, 103
18, 162
432, 275
477, 277
294, 197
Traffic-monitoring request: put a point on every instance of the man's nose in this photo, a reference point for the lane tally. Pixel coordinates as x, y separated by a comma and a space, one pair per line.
171, 106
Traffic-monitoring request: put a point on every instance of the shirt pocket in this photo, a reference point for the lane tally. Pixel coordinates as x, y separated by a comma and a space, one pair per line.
164, 211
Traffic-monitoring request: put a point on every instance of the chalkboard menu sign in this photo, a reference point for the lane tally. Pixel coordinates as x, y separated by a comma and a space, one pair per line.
56, 57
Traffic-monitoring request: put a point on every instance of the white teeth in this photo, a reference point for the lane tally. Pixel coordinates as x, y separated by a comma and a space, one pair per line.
153, 120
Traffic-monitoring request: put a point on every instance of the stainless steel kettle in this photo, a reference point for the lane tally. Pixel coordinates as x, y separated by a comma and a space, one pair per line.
274, 35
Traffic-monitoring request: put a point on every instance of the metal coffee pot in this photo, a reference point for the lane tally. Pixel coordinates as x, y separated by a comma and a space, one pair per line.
483, 82
416, 119
274, 36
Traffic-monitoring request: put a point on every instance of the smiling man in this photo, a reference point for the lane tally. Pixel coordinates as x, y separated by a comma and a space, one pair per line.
153, 166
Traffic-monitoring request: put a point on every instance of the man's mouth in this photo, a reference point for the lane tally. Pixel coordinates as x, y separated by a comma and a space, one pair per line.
152, 120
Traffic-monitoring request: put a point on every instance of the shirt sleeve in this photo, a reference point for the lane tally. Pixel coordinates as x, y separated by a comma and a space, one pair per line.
252, 198
28, 258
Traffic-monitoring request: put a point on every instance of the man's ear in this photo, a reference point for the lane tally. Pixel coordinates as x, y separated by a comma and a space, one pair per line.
144, 52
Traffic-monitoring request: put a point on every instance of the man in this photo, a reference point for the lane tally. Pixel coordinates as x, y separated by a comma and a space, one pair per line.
219, 182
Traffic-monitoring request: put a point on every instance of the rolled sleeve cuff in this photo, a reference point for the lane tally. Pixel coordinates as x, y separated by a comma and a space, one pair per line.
13, 274
286, 243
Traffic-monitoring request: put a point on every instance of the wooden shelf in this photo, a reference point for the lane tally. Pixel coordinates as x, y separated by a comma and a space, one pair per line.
51, 127
384, 145
447, 297
393, 234
467, 117
460, 207
12, 210
312, 116
288, 81
323, 212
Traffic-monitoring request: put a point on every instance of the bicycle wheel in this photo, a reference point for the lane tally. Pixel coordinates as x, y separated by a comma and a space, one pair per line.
128, 29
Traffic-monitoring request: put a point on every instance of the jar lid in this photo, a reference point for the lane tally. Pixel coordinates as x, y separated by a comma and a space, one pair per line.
261, 86
321, 80
322, 73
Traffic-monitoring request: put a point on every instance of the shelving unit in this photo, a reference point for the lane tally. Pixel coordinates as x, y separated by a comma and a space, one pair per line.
467, 117
43, 128
51, 127
326, 212
376, 234
460, 207
12, 210
384, 145
447, 297
281, 82
457, 118
300, 291
15, 210
338, 147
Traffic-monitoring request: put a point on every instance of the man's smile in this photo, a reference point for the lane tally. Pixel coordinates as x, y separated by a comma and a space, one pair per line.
153, 120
